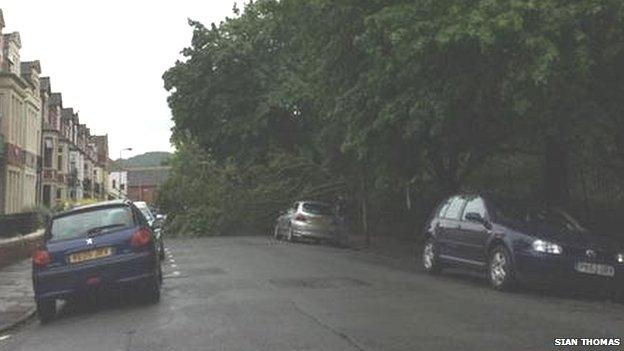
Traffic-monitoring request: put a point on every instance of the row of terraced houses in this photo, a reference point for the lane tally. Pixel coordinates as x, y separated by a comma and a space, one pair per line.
47, 157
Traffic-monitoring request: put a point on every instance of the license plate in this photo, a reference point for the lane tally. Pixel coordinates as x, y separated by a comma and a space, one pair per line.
90, 255
594, 268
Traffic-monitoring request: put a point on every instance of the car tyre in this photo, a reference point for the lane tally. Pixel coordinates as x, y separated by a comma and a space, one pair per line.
46, 310
500, 269
430, 260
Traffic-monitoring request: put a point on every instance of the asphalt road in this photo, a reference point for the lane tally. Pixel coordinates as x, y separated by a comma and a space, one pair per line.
254, 293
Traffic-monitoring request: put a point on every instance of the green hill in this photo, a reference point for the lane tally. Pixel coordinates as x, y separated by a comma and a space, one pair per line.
148, 159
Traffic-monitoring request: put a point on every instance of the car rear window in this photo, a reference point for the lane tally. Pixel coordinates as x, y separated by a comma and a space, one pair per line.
317, 209
84, 223
146, 212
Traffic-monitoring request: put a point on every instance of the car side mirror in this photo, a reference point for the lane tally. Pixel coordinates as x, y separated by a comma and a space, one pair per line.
476, 217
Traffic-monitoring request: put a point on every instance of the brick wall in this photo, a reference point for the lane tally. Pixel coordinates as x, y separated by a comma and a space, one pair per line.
142, 193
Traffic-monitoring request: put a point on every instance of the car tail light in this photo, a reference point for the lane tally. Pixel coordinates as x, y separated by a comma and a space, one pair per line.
141, 237
41, 258
301, 218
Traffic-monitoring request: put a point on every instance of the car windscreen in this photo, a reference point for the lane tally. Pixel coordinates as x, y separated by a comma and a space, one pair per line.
317, 209
91, 222
550, 217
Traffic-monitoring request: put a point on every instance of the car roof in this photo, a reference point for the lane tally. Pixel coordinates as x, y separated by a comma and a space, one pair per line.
315, 202
93, 206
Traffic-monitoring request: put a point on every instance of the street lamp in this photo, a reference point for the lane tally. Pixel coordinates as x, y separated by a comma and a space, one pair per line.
121, 168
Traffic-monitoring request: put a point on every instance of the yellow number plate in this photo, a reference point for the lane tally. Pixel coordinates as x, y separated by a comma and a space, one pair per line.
90, 255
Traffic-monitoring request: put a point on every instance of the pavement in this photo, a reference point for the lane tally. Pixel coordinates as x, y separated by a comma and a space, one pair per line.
16, 294
257, 293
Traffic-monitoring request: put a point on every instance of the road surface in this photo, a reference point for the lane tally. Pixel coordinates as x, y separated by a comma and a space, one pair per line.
256, 293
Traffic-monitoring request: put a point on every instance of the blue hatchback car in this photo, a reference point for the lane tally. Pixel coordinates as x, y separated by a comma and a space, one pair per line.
94, 248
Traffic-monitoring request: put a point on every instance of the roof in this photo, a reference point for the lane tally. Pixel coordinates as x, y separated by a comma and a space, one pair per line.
15, 37
28, 66
56, 99
45, 84
149, 176
67, 112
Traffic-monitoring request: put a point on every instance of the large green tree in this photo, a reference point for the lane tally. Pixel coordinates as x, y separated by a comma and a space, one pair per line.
392, 101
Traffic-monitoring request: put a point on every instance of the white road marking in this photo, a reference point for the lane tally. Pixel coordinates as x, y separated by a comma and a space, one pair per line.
4, 337
174, 265
176, 273
172, 260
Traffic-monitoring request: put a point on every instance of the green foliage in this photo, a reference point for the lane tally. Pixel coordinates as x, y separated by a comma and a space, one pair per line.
386, 101
148, 159
208, 198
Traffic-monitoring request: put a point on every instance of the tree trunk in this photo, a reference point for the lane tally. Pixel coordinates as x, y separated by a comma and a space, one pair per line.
556, 159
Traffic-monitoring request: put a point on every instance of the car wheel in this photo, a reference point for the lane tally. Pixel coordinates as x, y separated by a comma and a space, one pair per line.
430, 260
500, 269
46, 310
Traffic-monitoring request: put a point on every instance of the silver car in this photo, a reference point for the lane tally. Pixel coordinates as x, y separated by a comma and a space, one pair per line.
312, 220
155, 224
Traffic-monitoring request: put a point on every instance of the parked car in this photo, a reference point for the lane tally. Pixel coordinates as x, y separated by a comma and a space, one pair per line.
93, 248
156, 225
519, 243
311, 220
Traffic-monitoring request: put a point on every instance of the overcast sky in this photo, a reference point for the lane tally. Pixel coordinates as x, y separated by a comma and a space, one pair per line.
108, 57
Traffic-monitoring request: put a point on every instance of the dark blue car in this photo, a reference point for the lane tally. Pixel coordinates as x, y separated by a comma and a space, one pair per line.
95, 248
513, 243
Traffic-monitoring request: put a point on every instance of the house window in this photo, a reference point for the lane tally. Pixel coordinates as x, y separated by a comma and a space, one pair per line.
114, 184
47, 153
46, 195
